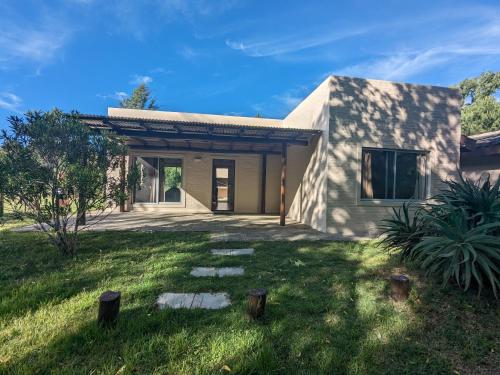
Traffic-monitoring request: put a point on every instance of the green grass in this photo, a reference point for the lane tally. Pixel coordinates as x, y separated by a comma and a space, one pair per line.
328, 311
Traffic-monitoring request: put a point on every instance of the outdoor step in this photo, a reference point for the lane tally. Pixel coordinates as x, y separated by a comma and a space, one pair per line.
211, 301
213, 271
232, 252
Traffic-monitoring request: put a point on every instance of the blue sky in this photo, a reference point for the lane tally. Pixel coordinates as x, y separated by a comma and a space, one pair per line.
231, 56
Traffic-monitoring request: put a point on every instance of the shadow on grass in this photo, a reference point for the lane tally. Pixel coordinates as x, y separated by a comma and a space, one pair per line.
328, 312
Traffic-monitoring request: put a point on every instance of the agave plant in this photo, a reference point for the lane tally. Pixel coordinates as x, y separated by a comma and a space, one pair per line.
469, 256
478, 201
403, 230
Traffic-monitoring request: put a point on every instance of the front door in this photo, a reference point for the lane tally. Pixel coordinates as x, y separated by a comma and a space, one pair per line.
223, 185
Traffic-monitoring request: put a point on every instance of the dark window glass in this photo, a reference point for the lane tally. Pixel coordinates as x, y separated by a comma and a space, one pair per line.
387, 174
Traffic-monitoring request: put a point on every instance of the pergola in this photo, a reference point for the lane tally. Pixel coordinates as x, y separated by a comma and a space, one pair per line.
169, 135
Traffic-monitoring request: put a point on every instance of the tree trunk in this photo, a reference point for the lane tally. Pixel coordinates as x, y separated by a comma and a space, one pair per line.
257, 302
400, 287
109, 307
1, 204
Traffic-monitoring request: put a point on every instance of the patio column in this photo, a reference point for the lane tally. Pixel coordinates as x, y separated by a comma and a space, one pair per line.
123, 177
263, 184
283, 183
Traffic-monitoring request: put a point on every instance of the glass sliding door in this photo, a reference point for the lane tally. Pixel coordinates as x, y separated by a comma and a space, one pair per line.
146, 189
160, 180
223, 185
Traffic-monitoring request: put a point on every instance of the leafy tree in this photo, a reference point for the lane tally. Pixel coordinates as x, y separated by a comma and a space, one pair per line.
140, 99
480, 109
56, 168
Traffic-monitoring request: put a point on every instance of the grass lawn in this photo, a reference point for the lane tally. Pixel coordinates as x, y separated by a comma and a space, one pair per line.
328, 311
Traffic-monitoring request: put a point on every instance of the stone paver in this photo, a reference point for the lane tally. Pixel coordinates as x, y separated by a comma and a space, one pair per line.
211, 301
232, 252
213, 271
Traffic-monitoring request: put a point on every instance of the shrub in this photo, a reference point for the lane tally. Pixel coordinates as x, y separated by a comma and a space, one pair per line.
469, 256
457, 236
403, 231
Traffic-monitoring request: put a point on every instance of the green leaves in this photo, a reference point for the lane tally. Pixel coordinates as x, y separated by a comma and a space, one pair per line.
457, 236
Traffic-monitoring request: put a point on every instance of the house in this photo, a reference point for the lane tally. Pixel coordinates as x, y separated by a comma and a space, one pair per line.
352, 150
480, 155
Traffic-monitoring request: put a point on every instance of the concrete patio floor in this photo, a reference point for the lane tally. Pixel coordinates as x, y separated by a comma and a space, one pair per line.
221, 227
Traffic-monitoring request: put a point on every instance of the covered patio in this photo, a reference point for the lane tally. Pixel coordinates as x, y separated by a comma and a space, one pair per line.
225, 164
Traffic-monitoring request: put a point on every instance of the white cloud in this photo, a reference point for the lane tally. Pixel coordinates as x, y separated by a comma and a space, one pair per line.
289, 99
10, 102
189, 53
291, 43
139, 80
119, 95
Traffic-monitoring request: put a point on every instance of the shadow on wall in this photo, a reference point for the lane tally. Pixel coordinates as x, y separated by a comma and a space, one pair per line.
369, 113
361, 113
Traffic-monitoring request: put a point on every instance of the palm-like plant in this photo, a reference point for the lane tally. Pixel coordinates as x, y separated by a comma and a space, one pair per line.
469, 256
403, 230
478, 201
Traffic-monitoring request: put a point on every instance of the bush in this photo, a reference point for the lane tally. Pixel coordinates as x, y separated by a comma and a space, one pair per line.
456, 236
403, 231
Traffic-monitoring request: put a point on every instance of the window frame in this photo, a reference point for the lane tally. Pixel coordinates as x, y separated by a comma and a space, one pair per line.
393, 201
182, 202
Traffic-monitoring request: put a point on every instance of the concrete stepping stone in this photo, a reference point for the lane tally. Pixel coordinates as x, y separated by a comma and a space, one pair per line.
221, 272
211, 301
232, 252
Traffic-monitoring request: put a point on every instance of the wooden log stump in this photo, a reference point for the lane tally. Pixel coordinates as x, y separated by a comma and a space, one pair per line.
256, 302
400, 287
109, 307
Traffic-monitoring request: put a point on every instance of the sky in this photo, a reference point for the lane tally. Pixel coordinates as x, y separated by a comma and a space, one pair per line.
233, 57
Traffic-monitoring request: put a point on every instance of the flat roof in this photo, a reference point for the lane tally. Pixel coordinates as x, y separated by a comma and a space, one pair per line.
195, 118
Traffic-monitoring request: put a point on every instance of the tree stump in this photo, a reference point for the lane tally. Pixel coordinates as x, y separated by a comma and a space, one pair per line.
257, 302
400, 287
109, 307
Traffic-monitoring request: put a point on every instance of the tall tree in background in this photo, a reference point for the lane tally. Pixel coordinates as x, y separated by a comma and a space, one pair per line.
140, 99
480, 108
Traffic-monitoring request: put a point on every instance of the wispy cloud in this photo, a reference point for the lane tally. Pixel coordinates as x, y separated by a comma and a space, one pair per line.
291, 43
10, 102
119, 95
38, 44
139, 80
189, 53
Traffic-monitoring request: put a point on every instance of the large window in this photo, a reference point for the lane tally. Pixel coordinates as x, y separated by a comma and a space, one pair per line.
393, 174
160, 180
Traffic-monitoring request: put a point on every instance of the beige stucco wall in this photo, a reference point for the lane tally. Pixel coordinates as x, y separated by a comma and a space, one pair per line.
306, 177
197, 182
371, 113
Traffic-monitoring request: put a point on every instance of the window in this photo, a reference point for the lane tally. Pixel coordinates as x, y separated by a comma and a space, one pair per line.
160, 180
393, 174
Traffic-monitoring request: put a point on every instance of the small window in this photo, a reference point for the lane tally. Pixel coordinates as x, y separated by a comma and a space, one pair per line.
393, 174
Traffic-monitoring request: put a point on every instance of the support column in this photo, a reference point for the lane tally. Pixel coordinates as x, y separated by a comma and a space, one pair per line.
263, 184
283, 183
122, 182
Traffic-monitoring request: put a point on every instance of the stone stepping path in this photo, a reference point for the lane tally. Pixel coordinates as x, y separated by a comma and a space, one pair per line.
213, 271
232, 252
211, 301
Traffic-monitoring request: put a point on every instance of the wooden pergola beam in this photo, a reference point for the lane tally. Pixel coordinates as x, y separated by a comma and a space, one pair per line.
283, 183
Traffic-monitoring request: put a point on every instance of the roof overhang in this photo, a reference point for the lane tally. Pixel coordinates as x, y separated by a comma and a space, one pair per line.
151, 134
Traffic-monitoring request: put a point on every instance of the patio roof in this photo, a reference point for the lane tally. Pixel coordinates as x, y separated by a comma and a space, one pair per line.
481, 144
156, 134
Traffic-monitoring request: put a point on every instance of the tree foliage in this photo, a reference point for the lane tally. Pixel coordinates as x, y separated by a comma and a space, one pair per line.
56, 169
480, 109
140, 99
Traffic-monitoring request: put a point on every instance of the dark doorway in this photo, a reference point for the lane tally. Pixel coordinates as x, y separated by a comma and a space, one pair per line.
223, 185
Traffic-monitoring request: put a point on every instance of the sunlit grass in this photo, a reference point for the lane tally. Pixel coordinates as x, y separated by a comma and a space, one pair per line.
328, 311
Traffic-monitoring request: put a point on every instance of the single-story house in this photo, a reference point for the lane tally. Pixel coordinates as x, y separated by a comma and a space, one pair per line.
480, 155
348, 153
